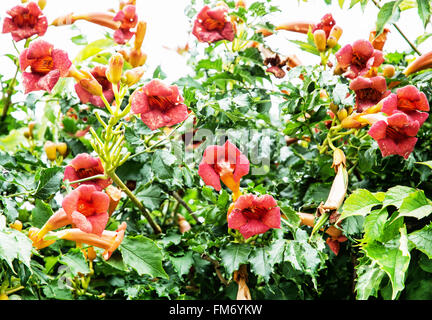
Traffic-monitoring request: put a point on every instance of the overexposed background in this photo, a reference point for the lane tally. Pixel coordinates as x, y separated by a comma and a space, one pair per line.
168, 26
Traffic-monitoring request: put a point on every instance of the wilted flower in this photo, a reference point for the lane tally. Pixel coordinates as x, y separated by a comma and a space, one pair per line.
159, 105
25, 21
358, 59
87, 208
85, 166
212, 25
47, 65
253, 215
224, 163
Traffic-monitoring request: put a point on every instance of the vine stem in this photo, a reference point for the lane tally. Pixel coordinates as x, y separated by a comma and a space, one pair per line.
400, 32
185, 205
8, 98
125, 189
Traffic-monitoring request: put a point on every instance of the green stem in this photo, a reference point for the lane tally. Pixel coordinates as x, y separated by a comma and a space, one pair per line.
125, 189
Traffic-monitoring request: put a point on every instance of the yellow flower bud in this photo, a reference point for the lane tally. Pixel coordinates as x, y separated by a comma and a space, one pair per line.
320, 40
115, 68
342, 114
42, 4
331, 42
389, 71
336, 32
140, 34
132, 76
50, 150
137, 58
61, 148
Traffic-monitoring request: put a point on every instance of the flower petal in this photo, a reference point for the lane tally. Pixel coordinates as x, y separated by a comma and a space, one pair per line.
236, 219
209, 176
253, 227
272, 218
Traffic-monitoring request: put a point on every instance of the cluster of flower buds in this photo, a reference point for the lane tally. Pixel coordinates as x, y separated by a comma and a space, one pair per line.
52, 149
326, 33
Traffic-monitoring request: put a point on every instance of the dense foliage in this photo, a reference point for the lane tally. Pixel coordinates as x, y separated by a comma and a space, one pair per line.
108, 189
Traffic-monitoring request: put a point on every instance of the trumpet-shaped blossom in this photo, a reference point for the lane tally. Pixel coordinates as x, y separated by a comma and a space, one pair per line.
25, 21
358, 59
98, 73
212, 24
85, 166
108, 240
253, 215
159, 105
58, 220
369, 91
224, 163
327, 23
46, 65
129, 19
87, 208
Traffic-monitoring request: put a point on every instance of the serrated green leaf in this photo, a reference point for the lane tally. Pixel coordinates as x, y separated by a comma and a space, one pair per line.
260, 264
389, 13
360, 202
41, 213
423, 8
75, 261
416, 205
422, 240
143, 255
233, 255
48, 182
182, 264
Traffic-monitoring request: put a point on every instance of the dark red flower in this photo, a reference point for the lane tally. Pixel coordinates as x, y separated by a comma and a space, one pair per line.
98, 73
87, 208
224, 163
129, 19
159, 105
212, 25
85, 166
25, 21
327, 23
46, 64
357, 59
253, 215
368, 91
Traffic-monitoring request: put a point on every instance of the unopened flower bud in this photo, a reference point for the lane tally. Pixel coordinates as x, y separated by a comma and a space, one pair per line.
342, 114
336, 32
184, 226
331, 42
334, 108
61, 148
240, 3
92, 86
350, 123
389, 71
338, 158
17, 225
50, 150
132, 76
42, 4
91, 253
115, 68
320, 39
140, 34
114, 195
137, 58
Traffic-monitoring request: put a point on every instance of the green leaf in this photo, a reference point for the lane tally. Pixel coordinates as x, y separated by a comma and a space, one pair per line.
162, 164
396, 195
416, 205
151, 196
143, 255
75, 261
233, 255
374, 225
422, 240
260, 264
389, 13
41, 213
182, 264
48, 182
360, 202
393, 258
368, 281
424, 13
15, 245
93, 48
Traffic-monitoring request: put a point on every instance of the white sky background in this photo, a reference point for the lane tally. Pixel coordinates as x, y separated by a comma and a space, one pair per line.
167, 26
